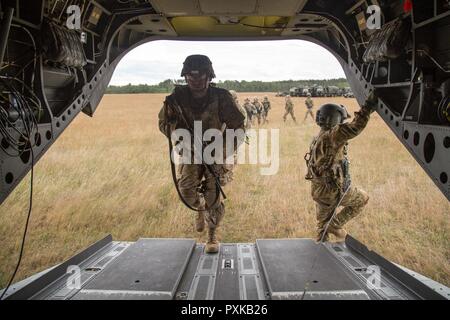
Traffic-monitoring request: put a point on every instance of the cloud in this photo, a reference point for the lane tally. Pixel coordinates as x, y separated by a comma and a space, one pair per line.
156, 61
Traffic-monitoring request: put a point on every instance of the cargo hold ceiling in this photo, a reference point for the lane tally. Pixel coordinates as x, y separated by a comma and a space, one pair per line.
232, 18
174, 8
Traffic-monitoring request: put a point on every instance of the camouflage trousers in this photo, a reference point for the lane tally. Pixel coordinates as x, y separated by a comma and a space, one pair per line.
309, 112
264, 116
198, 188
327, 196
291, 112
258, 117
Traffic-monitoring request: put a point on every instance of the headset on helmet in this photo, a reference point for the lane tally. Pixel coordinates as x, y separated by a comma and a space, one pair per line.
198, 63
330, 115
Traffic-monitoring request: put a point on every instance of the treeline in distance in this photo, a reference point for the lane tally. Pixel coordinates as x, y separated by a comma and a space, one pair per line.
167, 86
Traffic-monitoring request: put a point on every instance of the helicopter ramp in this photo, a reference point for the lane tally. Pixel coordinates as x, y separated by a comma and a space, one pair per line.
179, 269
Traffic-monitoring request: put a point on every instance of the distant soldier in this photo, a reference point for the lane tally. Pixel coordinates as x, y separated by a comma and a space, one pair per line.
266, 108
250, 109
328, 168
241, 108
258, 109
198, 184
309, 107
289, 107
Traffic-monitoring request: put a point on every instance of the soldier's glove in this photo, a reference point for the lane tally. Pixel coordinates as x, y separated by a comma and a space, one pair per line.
370, 105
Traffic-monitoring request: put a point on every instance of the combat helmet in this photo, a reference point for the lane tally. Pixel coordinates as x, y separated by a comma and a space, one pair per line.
308, 94
330, 115
198, 63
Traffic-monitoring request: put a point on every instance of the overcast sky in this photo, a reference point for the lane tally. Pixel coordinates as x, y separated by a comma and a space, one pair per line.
156, 61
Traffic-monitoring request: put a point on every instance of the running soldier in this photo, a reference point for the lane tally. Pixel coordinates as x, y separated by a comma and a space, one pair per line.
241, 108
198, 184
266, 108
250, 109
258, 109
289, 107
309, 107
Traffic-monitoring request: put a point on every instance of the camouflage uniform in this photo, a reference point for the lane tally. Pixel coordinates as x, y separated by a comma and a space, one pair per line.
327, 153
241, 108
258, 110
196, 183
289, 107
309, 106
250, 109
266, 108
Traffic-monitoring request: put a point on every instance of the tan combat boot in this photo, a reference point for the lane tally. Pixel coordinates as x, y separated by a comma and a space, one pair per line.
339, 233
212, 246
200, 221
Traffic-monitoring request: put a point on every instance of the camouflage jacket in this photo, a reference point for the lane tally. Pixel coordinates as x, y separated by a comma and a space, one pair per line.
215, 110
258, 107
309, 103
250, 108
328, 150
266, 105
289, 105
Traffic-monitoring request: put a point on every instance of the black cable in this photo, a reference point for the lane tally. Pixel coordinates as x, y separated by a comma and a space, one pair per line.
26, 228
35, 50
28, 131
21, 143
23, 109
25, 112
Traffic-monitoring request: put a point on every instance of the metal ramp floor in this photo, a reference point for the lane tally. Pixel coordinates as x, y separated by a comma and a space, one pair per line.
268, 269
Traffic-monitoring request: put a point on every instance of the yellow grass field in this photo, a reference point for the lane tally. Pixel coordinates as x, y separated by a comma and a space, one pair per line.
111, 174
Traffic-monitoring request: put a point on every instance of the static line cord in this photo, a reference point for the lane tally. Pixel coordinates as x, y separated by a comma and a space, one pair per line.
26, 228
26, 224
319, 245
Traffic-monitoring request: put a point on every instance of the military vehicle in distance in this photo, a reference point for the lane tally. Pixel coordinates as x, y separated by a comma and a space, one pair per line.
294, 92
317, 91
331, 91
349, 94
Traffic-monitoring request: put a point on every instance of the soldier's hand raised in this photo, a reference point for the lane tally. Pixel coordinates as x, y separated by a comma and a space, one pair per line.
371, 102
